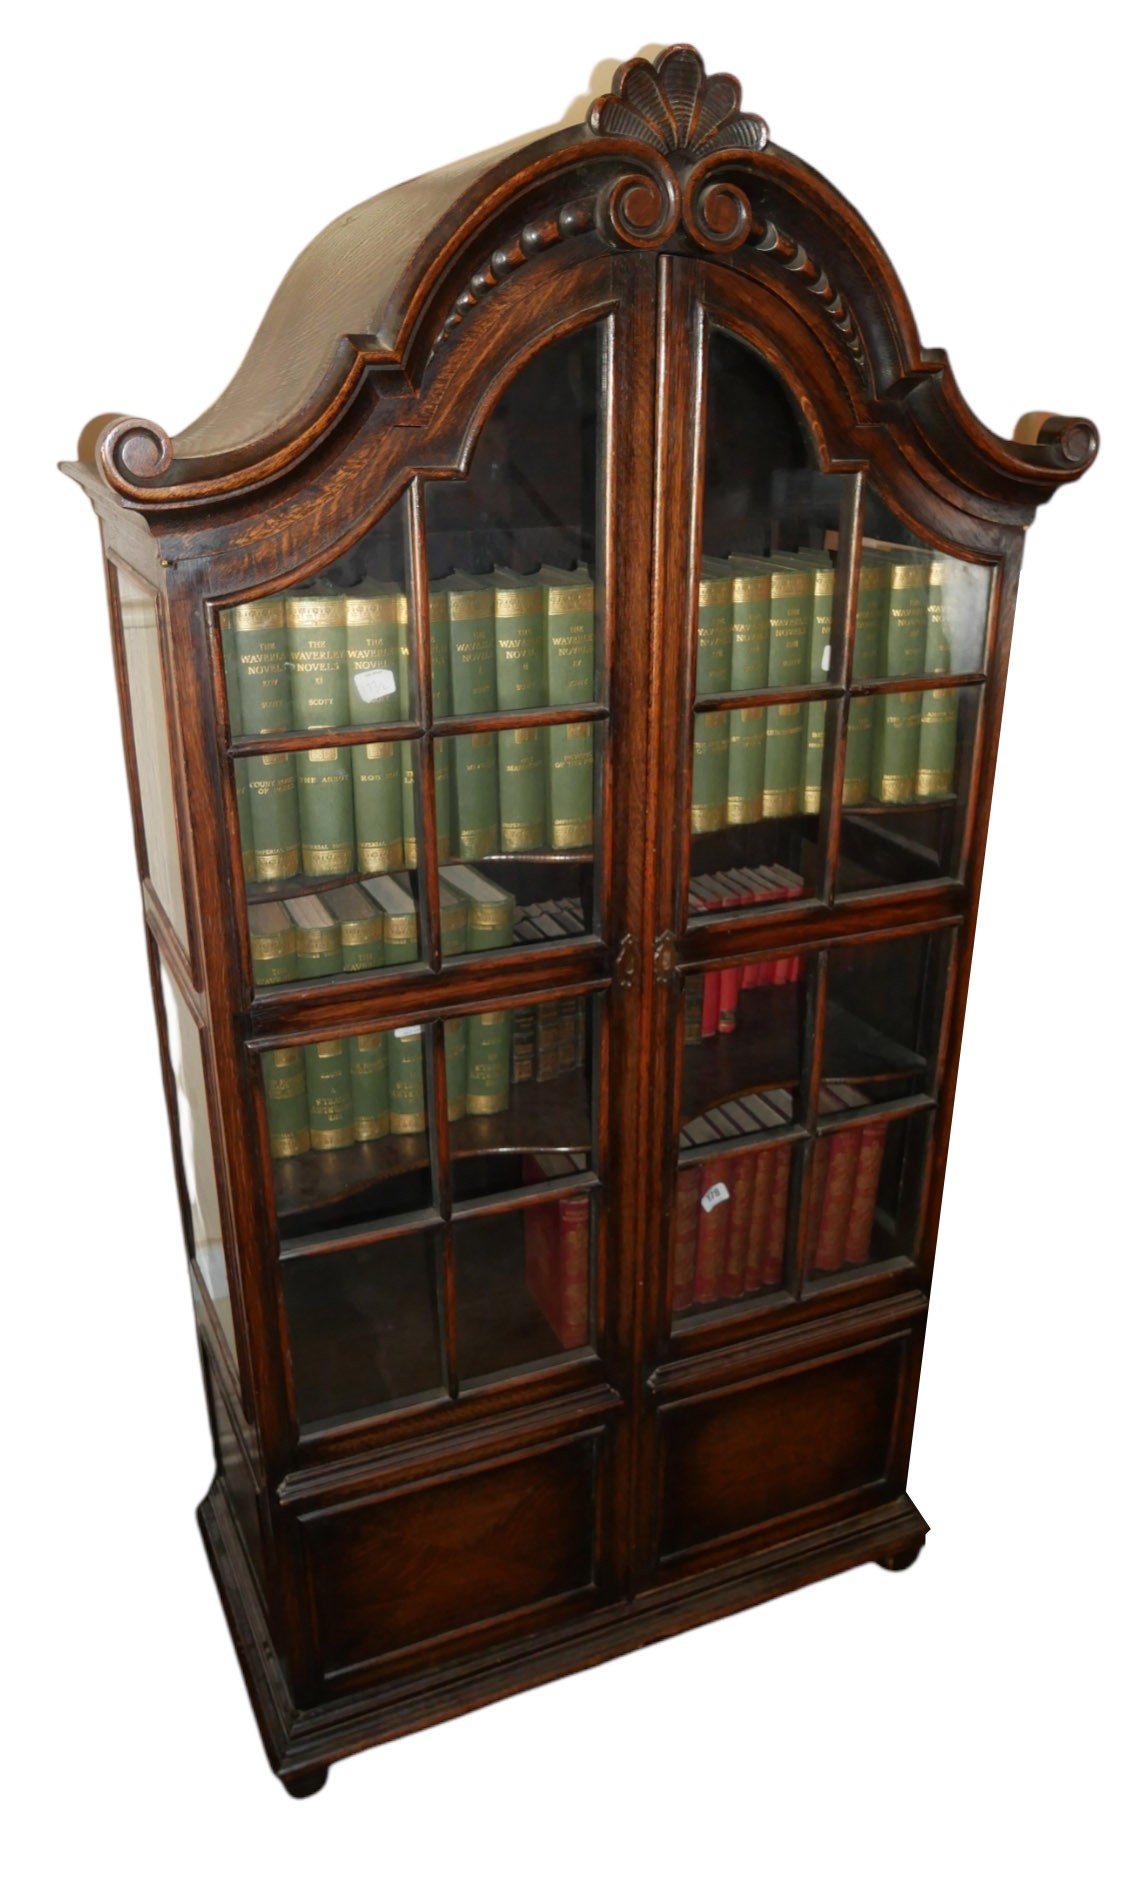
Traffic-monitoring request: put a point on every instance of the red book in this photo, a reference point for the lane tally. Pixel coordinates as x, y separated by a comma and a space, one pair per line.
714, 1207
557, 1252
684, 1253
762, 885
731, 894
741, 1181
765, 1167
793, 888
711, 988
773, 1259
841, 1153
858, 1237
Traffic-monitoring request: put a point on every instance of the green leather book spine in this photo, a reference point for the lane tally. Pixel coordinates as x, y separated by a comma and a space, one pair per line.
745, 779
273, 944
784, 761
440, 655
245, 821
287, 1104
330, 1093
749, 656
896, 715
477, 822
234, 720
790, 635
939, 709
318, 941
489, 1062
402, 942
523, 789
870, 628
824, 587
315, 636
376, 623
362, 929
325, 811
569, 624
377, 807
453, 921
263, 687
369, 1079
407, 1108
471, 609
521, 677
408, 804
715, 634
443, 756
274, 816
709, 790
456, 1067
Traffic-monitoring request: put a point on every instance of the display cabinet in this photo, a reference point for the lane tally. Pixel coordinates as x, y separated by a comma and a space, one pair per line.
560, 683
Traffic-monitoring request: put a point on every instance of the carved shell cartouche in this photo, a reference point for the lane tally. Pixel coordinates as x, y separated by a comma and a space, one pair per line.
672, 106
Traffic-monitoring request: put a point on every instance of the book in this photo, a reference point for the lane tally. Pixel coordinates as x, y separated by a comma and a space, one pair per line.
523, 1044
376, 628
245, 821
407, 1107
369, 1082
378, 819
862, 1208
569, 643
315, 639
693, 994
896, 715
820, 647
287, 1104
557, 1251
362, 928
442, 759
869, 632
714, 660
791, 614
832, 1185
939, 708
472, 664
262, 689
318, 936
741, 1181
401, 932
684, 1235
456, 1066
490, 908
489, 1062
329, 1093
709, 789
273, 943
325, 811
453, 919
521, 684
274, 826
761, 1203
714, 1208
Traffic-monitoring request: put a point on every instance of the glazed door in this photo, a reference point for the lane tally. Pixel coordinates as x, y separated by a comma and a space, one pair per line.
822, 683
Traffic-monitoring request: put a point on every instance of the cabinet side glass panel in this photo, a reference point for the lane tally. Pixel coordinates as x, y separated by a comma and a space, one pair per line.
150, 738
515, 620
188, 1069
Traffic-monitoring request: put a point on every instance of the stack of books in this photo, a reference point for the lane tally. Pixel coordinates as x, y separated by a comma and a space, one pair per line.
342, 1091
317, 659
765, 622
712, 998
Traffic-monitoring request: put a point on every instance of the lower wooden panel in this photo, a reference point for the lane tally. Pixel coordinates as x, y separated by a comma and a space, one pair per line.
449, 1557
774, 1448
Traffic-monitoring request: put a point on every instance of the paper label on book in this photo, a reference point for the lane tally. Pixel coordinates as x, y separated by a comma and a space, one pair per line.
825, 658
714, 1196
408, 1030
376, 681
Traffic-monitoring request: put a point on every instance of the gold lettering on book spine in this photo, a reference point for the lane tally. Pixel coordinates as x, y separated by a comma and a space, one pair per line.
291, 1142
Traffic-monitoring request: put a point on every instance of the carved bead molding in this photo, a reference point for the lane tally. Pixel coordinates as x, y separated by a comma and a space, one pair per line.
672, 106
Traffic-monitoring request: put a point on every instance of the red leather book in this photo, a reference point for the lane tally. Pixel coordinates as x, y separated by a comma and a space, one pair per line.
793, 888
762, 885
711, 990
714, 1208
731, 894
761, 1202
862, 1212
773, 1258
557, 1252
741, 1182
841, 1153
684, 1253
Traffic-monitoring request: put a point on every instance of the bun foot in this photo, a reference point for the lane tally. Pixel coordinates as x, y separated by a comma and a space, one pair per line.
302, 1786
900, 1562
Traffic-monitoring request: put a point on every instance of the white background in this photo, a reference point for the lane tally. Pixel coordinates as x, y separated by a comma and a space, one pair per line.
976, 1713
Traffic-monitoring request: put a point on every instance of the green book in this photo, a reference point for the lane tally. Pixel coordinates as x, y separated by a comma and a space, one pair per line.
409, 840
442, 758
569, 633
376, 626
523, 788
378, 810
745, 771
791, 617
474, 796
315, 636
318, 936
896, 715
820, 649
715, 630
325, 811
453, 919
489, 1062
751, 590
456, 1066
287, 1104
275, 830
490, 909
521, 684
709, 790
407, 1110
273, 943
939, 709
398, 908
263, 683
439, 652
369, 1080
245, 821
870, 628
329, 1091
362, 928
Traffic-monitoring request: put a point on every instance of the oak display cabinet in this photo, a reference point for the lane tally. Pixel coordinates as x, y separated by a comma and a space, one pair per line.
561, 1230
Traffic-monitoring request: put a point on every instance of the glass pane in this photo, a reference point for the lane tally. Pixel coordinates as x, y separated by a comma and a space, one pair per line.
519, 1091
138, 611
730, 1228
864, 1188
883, 1012
347, 1120
364, 1330
523, 1285
506, 640
918, 836
918, 610
184, 1045
744, 1047
330, 654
